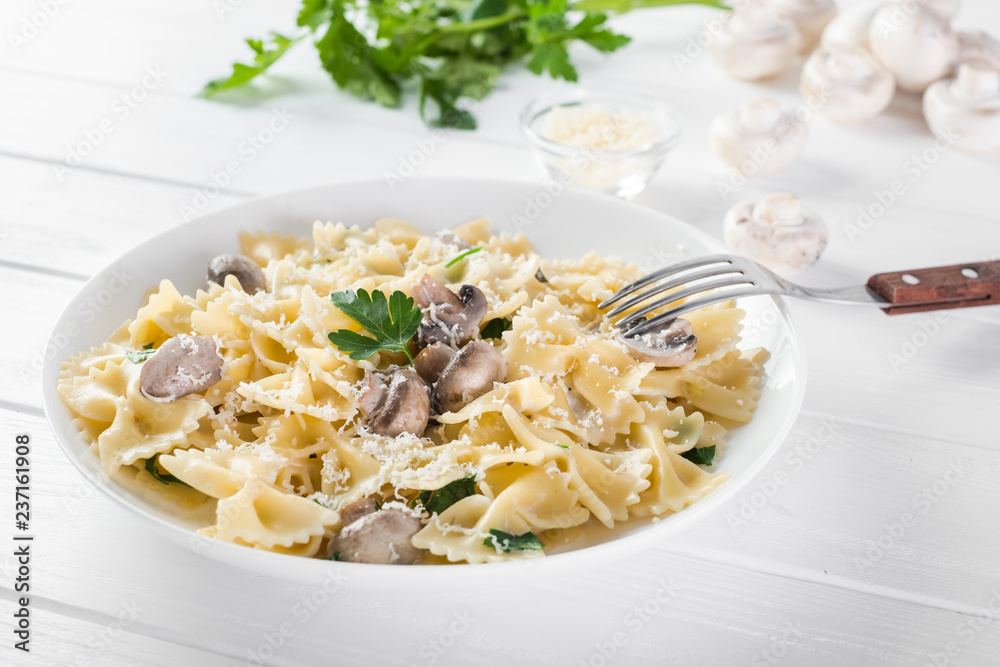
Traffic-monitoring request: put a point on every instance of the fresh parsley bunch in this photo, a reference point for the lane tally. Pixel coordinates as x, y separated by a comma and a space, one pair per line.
452, 49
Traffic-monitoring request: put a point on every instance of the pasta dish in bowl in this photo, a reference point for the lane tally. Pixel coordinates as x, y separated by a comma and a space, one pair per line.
389, 393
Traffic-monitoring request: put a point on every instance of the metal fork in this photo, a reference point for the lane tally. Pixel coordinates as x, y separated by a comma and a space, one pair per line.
715, 278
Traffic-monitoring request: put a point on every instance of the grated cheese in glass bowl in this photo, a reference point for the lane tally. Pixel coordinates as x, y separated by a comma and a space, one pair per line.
605, 142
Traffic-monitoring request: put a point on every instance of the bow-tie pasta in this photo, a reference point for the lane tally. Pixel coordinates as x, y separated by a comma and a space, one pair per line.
385, 396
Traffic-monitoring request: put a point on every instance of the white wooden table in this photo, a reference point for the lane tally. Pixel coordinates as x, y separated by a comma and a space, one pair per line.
859, 544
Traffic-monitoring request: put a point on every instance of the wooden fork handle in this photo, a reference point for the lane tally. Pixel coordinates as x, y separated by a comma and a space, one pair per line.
958, 286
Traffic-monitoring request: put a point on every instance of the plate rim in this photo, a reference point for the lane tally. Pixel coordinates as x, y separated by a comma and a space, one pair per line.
239, 556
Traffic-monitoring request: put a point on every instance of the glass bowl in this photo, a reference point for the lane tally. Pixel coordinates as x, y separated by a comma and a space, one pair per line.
606, 142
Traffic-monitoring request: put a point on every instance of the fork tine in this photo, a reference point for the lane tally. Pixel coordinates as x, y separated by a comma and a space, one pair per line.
664, 272
706, 300
731, 281
676, 281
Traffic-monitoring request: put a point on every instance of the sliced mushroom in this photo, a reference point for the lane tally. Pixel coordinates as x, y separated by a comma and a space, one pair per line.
669, 346
181, 366
540, 277
373, 393
250, 275
469, 375
450, 318
351, 512
406, 408
448, 237
382, 537
432, 360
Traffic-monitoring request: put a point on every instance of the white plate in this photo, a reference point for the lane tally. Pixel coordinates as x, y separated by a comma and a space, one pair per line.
561, 225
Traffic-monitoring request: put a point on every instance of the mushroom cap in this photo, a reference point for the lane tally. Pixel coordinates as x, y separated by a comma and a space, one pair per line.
373, 393
669, 346
406, 408
353, 511
450, 318
382, 537
778, 232
761, 138
852, 26
470, 374
965, 111
809, 16
849, 84
432, 360
978, 48
914, 43
755, 43
247, 271
181, 366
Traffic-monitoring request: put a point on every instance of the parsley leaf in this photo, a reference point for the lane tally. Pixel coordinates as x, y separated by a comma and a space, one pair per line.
700, 455
162, 477
139, 356
495, 327
266, 53
563, 446
507, 542
336, 555
392, 322
438, 501
448, 51
459, 258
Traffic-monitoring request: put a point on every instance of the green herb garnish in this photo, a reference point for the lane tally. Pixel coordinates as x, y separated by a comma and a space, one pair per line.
495, 327
336, 555
441, 499
507, 542
392, 322
459, 258
162, 477
701, 455
139, 356
563, 446
444, 50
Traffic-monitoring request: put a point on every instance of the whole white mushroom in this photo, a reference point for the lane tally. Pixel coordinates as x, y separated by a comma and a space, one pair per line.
761, 138
809, 16
965, 110
755, 43
778, 232
977, 47
847, 83
852, 26
914, 43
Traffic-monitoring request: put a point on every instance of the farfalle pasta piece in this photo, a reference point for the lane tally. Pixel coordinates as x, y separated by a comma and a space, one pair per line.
261, 515
221, 473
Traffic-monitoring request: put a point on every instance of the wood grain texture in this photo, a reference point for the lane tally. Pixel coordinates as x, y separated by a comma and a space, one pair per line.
939, 288
870, 539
